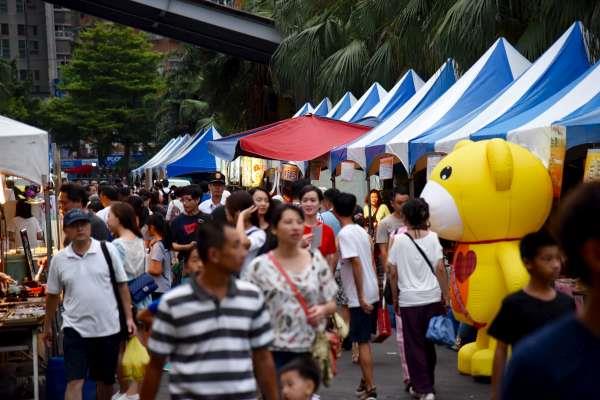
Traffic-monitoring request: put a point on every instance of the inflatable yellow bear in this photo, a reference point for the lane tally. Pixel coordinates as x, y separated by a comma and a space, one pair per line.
486, 196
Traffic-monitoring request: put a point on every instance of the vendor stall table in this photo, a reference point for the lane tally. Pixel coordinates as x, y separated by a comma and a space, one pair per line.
20, 323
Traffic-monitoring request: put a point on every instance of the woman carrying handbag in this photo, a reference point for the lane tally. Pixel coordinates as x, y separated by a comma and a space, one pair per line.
417, 268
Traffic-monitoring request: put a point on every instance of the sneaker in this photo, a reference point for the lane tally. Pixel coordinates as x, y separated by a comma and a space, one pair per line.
412, 392
370, 394
131, 397
428, 396
361, 389
118, 396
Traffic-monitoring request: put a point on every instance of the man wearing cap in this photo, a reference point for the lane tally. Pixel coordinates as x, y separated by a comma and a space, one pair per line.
91, 328
216, 186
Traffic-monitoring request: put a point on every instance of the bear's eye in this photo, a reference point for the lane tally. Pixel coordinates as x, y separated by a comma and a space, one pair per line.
446, 172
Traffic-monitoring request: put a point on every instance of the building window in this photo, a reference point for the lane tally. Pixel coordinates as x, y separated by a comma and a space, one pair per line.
4, 48
20, 8
22, 49
4, 29
31, 4
21, 30
63, 59
3, 6
34, 30
34, 47
36, 74
23, 74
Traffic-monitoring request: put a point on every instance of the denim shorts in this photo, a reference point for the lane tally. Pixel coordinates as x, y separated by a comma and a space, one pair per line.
95, 358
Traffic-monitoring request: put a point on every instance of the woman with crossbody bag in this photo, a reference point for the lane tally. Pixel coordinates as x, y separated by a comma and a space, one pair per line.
417, 267
298, 287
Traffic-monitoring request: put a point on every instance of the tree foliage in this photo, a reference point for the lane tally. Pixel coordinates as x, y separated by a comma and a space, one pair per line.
16, 101
331, 46
112, 85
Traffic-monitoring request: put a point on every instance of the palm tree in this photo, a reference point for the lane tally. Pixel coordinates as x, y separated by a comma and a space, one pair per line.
338, 45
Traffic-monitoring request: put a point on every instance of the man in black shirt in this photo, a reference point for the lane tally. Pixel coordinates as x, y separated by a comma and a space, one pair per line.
183, 227
529, 309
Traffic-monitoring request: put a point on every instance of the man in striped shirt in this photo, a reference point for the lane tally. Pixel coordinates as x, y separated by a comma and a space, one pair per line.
215, 330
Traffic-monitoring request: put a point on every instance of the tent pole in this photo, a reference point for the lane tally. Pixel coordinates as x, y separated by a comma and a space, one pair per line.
411, 186
48, 232
369, 204
333, 179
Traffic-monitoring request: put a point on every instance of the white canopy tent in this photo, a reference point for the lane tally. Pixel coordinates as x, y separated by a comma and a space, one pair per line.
23, 151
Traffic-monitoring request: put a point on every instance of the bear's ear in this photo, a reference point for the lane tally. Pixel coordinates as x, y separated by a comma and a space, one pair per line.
462, 143
500, 162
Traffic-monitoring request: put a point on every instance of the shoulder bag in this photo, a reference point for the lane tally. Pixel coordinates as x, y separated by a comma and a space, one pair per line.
326, 346
440, 329
113, 280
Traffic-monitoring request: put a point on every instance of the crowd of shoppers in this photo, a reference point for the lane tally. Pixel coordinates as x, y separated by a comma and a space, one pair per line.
244, 286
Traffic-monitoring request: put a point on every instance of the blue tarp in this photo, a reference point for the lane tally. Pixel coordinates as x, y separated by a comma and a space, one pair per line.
197, 158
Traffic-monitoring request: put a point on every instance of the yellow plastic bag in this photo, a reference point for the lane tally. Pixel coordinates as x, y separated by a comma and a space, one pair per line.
135, 359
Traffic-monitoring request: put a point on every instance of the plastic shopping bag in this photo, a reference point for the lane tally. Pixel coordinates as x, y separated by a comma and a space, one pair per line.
441, 330
135, 360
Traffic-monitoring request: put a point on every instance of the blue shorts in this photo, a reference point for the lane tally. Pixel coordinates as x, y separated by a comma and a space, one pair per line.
362, 325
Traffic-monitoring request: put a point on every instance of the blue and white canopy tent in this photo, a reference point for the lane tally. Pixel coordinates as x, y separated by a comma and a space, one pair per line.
195, 158
148, 164
159, 166
342, 106
323, 108
437, 85
576, 108
367, 101
562, 63
496, 69
403, 90
307, 108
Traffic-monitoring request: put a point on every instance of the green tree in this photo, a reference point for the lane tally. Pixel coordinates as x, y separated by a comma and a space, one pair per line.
112, 85
332, 46
16, 101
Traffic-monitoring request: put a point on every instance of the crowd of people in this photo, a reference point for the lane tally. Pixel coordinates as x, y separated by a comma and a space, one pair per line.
243, 284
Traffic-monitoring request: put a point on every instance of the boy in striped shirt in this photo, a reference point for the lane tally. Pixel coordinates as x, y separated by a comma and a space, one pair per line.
215, 331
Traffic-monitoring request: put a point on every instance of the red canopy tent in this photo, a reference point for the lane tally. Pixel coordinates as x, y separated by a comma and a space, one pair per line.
298, 139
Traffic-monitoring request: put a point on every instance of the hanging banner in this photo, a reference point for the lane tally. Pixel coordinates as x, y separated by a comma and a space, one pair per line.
290, 172
234, 171
556, 159
591, 172
259, 166
347, 171
386, 168
315, 170
432, 161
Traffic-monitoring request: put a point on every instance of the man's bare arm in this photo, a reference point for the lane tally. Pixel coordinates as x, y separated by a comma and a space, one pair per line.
264, 370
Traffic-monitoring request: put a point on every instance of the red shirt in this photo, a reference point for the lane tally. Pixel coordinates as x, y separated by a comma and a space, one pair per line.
327, 246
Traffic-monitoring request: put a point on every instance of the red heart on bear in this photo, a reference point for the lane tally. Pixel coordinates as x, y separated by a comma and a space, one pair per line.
465, 265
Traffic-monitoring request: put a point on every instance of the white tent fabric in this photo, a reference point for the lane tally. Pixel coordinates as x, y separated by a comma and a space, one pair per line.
396, 97
562, 63
342, 106
307, 108
168, 152
367, 101
175, 152
140, 170
439, 82
498, 67
23, 150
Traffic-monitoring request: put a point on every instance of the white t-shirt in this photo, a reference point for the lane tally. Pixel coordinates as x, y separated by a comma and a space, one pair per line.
354, 242
89, 302
207, 206
257, 238
416, 282
175, 208
103, 214
33, 228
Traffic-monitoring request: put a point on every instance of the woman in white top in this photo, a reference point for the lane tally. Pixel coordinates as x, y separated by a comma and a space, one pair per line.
241, 211
417, 267
122, 223
25, 220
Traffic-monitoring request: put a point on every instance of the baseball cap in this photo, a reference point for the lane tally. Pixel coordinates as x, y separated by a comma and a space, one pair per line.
75, 215
217, 177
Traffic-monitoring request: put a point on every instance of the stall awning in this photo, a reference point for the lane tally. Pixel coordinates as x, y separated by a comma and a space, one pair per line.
300, 139
24, 150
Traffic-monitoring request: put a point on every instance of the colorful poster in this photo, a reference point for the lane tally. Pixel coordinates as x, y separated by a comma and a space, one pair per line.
347, 171
432, 161
315, 170
591, 172
386, 168
246, 171
556, 160
290, 172
259, 166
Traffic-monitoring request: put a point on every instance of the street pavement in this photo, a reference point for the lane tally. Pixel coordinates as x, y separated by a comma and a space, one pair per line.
450, 385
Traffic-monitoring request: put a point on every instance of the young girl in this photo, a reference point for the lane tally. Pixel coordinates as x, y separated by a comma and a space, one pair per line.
299, 380
159, 265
